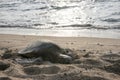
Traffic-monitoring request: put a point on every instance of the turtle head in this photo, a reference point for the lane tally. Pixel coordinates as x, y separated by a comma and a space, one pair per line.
65, 59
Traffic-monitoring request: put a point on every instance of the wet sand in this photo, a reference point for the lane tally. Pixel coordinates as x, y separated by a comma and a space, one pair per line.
97, 59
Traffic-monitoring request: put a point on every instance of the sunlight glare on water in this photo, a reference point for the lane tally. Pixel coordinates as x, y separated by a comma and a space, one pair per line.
61, 14
54, 13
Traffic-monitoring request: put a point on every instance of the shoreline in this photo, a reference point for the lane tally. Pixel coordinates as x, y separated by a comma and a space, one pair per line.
63, 33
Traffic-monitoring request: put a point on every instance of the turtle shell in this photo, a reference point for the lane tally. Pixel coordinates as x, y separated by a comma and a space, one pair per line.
46, 50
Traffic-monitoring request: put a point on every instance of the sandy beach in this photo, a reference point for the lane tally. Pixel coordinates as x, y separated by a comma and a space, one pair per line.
97, 59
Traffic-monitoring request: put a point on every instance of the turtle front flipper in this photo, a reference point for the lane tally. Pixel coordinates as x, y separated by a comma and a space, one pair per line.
29, 60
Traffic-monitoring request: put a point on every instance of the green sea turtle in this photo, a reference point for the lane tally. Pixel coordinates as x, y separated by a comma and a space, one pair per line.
48, 51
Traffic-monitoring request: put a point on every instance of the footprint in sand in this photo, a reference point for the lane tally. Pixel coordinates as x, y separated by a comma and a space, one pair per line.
112, 58
5, 78
4, 66
114, 68
92, 78
35, 70
90, 63
75, 76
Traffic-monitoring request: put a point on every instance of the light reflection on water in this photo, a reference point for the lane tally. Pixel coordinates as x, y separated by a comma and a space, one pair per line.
61, 14
40, 13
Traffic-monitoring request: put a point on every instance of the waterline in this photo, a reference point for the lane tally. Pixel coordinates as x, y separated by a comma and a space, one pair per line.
63, 33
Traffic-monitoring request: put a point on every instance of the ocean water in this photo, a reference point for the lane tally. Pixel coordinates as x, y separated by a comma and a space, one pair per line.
91, 18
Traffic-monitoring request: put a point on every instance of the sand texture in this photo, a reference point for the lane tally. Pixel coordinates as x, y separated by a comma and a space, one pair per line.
96, 59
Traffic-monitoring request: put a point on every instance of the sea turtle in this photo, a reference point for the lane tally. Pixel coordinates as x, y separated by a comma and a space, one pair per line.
48, 51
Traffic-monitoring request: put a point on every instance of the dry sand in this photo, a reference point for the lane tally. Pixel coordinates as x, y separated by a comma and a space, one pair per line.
97, 59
